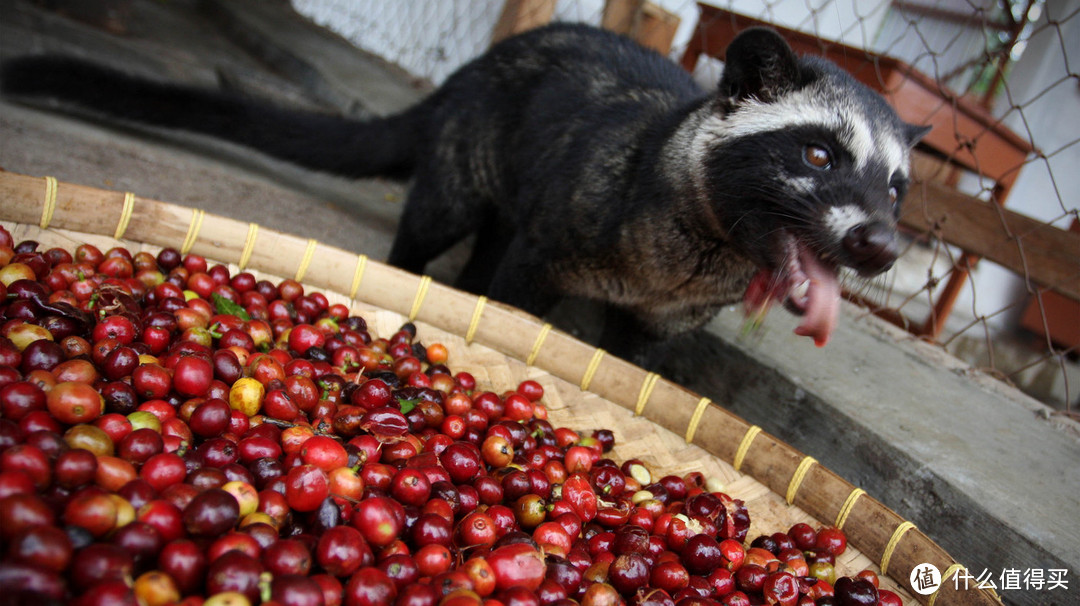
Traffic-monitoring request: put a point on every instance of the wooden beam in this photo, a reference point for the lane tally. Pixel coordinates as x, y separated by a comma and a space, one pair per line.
1054, 315
1047, 255
647, 22
969, 18
622, 16
657, 28
520, 15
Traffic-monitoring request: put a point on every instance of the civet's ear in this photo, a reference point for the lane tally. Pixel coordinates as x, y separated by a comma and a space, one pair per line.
913, 133
759, 64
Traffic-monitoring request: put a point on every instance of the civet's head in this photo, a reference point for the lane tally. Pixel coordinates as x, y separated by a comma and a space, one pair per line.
805, 168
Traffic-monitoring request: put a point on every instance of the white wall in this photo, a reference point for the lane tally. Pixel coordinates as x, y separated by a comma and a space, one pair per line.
1042, 104
431, 38
427, 38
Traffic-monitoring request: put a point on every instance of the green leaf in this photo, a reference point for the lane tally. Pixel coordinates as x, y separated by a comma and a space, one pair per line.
225, 306
407, 404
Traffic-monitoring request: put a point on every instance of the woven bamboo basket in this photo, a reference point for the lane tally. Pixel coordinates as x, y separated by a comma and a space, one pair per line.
670, 428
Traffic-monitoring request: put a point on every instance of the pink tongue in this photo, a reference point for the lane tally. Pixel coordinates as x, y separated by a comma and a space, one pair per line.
822, 300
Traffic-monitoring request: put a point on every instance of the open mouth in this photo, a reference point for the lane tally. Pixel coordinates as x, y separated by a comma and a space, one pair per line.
806, 284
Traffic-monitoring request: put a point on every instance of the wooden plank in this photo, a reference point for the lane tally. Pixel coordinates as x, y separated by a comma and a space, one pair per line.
657, 28
1049, 256
621, 16
963, 132
1058, 317
520, 15
646, 22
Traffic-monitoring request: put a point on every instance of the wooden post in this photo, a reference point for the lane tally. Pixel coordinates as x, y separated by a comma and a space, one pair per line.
644, 21
622, 16
657, 28
520, 15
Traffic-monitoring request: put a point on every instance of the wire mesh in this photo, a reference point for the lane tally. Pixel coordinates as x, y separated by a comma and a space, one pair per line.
993, 276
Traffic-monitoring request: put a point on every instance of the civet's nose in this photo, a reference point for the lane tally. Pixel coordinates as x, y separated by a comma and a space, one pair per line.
871, 247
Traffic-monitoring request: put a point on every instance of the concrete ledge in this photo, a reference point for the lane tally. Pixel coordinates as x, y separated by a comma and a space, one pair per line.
327, 65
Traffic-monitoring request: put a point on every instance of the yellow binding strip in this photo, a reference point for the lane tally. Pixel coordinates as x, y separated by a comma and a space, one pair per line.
537, 344
193, 230
744, 445
646, 391
798, 476
358, 275
125, 215
51, 187
478, 311
309, 252
590, 370
951, 570
893, 542
695, 419
249, 245
849, 504
421, 292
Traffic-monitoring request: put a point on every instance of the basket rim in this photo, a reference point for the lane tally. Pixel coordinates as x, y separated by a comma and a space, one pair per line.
873, 528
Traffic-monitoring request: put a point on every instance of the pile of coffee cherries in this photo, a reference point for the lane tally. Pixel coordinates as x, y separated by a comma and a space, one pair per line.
171, 433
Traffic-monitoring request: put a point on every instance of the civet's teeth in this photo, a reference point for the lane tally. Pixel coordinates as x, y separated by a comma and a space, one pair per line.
800, 290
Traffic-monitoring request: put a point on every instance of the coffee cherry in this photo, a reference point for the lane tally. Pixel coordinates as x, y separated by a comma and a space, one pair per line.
210, 513
168, 449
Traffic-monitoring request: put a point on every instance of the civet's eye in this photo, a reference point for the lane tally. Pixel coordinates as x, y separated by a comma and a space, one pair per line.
817, 157
893, 195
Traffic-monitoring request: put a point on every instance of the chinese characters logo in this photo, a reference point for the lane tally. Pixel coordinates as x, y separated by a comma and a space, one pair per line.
925, 579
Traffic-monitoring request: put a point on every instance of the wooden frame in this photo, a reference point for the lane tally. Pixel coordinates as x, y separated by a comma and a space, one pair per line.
644, 21
966, 137
521, 15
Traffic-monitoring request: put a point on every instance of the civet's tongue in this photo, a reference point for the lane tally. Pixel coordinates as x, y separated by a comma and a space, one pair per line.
808, 286
822, 299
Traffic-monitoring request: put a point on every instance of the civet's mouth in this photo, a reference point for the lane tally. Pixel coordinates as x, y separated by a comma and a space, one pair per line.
805, 283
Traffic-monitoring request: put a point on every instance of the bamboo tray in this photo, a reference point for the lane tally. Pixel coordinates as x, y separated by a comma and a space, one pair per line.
665, 425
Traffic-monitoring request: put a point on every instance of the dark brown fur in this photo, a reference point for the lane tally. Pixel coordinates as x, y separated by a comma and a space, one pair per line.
587, 165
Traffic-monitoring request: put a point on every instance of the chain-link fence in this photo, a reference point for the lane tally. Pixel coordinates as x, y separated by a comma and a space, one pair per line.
991, 269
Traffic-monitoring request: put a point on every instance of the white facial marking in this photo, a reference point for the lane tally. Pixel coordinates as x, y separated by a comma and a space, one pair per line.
895, 154
793, 110
811, 106
840, 219
712, 129
803, 185
695, 135
859, 140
